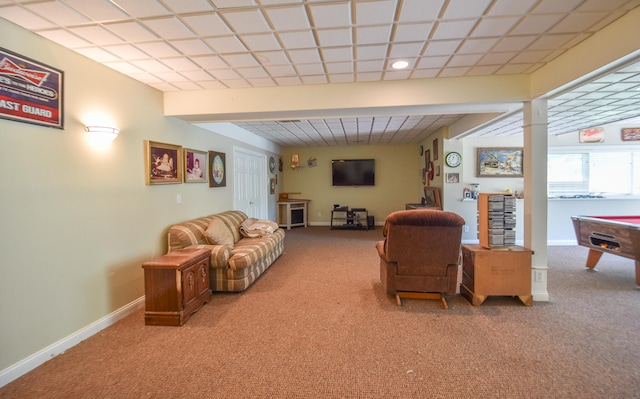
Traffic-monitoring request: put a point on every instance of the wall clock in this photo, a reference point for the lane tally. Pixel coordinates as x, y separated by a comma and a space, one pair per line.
453, 159
421, 150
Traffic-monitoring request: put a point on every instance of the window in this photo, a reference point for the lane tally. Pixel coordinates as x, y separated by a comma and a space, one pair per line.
594, 172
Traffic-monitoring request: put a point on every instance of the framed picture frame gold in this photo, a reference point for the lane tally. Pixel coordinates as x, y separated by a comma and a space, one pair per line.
499, 162
196, 166
217, 169
163, 163
432, 196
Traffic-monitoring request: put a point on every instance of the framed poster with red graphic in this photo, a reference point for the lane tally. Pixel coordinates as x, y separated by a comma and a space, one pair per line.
30, 91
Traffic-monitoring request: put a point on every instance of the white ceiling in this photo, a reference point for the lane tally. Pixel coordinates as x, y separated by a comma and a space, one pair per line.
177, 45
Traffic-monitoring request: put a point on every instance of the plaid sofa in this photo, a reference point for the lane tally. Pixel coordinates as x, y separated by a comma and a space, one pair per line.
233, 267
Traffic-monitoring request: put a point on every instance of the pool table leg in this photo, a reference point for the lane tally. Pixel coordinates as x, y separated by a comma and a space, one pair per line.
593, 258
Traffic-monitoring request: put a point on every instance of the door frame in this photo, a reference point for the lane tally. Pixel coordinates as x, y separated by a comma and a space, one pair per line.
264, 196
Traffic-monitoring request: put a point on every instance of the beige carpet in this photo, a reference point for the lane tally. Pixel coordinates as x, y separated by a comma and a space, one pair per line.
317, 325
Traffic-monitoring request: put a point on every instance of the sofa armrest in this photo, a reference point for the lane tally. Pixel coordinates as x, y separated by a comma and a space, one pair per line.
220, 254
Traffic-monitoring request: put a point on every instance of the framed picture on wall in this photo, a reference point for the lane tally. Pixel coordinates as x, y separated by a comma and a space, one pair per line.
163, 163
195, 166
432, 196
217, 169
499, 162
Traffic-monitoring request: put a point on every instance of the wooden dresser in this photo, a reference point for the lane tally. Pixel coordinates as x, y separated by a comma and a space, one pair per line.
175, 286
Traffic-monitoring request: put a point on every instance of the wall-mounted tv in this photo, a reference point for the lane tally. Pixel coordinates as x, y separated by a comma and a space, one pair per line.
353, 172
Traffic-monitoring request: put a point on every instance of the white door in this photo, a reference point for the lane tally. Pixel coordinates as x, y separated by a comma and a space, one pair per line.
250, 183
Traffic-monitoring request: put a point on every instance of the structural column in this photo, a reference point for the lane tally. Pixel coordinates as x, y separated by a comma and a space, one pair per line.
535, 193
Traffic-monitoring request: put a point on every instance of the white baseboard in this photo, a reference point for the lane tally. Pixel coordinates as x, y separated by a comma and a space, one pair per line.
24, 366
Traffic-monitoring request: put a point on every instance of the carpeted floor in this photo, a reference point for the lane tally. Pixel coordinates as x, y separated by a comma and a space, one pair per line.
317, 325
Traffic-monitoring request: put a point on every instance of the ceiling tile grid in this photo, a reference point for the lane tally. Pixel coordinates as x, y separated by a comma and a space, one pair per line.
216, 44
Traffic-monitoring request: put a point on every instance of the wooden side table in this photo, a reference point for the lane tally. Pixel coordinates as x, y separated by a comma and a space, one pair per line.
175, 286
496, 272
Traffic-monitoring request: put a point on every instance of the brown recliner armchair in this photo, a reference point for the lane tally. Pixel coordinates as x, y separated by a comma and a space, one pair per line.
420, 255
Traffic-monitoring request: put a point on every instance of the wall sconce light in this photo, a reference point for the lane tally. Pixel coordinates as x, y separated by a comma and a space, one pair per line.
103, 132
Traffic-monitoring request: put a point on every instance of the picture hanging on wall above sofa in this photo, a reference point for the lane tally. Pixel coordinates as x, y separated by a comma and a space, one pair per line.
163, 163
217, 169
195, 166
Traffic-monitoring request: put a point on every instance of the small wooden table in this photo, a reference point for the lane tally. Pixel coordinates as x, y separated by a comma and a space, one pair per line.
496, 272
292, 213
175, 286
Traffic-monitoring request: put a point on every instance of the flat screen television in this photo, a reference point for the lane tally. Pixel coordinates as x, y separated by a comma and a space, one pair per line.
353, 172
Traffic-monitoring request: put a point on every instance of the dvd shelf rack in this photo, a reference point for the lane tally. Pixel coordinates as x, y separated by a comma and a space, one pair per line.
496, 220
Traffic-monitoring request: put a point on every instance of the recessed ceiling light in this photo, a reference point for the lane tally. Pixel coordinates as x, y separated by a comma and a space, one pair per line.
400, 65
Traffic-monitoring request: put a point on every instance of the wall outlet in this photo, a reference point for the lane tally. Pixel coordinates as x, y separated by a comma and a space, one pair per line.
538, 276
319, 214
466, 228
178, 199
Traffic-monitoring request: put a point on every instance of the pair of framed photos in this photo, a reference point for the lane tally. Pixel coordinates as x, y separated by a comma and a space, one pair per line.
172, 164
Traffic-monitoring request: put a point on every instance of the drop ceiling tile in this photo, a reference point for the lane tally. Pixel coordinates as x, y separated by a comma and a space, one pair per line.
554, 6
207, 25
227, 44
180, 64
25, 18
168, 28
191, 46
339, 67
210, 62
530, 57
98, 54
474, 46
369, 66
494, 27
98, 10
187, 85
126, 52
277, 2
248, 21
252, 73
483, 70
517, 43
551, 42
511, 69
298, 40
170, 76
341, 54
341, 78
261, 42
433, 62
405, 50
196, 75
464, 60
96, 34
497, 58
442, 47
158, 49
334, 37
233, 3
125, 67
412, 32
64, 38
225, 74
280, 70
331, 15
372, 35
152, 66
396, 75
310, 69
304, 56
272, 57
420, 10
375, 12
191, 6
143, 8
510, 7
533, 24
131, 32
372, 52
57, 12
245, 60
453, 29
459, 9
288, 18
578, 22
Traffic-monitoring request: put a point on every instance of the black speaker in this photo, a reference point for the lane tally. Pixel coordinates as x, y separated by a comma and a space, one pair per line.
371, 223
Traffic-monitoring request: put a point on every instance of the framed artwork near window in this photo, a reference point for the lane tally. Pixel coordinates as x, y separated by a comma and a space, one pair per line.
499, 162
163, 163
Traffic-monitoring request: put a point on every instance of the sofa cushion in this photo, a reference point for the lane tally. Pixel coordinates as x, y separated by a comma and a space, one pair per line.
219, 233
250, 250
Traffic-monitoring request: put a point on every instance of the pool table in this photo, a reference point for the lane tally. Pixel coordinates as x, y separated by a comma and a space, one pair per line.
618, 235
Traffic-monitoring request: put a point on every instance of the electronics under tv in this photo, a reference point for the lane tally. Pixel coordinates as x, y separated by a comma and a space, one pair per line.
353, 172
